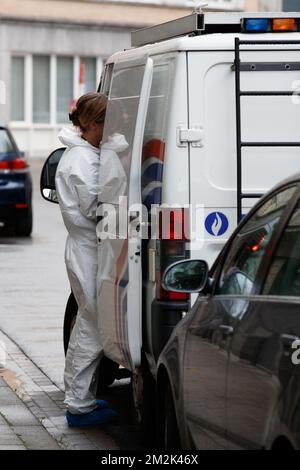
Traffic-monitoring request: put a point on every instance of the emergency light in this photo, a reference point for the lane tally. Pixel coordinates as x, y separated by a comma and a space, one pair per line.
256, 25
268, 25
284, 24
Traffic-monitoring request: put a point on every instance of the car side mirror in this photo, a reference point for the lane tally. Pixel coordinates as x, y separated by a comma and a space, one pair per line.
47, 181
189, 276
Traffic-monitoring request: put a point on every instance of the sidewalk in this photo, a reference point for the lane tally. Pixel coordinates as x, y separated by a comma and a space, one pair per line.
32, 414
19, 428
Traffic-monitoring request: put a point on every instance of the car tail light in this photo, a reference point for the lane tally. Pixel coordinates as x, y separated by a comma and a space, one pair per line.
18, 164
4, 165
171, 246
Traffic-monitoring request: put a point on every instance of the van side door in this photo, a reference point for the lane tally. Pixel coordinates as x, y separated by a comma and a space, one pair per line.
119, 212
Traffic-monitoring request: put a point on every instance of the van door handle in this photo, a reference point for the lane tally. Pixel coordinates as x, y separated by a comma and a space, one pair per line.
137, 253
226, 330
288, 340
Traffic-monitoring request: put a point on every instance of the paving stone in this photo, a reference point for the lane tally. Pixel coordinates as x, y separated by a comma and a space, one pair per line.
36, 438
2, 421
51, 390
8, 397
102, 440
3, 428
43, 401
13, 447
84, 447
53, 413
10, 439
17, 415
47, 423
60, 421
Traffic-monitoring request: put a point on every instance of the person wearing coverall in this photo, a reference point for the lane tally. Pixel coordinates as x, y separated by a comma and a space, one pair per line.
78, 183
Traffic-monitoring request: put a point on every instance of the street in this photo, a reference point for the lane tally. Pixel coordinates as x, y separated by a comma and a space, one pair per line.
34, 293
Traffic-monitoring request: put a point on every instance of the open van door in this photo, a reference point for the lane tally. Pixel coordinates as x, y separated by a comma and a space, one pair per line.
119, 283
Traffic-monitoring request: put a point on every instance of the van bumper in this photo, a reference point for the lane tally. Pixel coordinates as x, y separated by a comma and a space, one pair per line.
165, 316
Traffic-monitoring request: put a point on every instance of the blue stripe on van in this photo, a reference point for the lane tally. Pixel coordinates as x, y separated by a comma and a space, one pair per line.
152, 173
154, 197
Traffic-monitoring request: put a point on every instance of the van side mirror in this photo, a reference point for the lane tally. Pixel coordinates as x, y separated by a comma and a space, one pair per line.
189, 276
47, 181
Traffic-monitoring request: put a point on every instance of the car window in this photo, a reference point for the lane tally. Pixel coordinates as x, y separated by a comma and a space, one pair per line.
248, 248
106, 79
284, 274
5, 142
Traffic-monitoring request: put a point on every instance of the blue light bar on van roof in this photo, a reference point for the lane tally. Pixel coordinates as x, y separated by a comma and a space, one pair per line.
256, 25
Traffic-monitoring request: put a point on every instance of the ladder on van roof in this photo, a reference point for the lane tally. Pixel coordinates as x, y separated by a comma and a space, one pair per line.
255, 67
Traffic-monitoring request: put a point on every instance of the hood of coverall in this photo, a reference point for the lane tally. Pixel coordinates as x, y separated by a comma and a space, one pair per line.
71, 137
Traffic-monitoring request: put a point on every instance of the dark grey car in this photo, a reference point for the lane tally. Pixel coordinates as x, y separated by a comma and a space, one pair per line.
229, 375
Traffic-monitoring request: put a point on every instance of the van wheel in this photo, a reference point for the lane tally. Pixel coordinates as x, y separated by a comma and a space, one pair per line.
107, 372
70, 319
23, 226
107, 369
168, 432
143, 402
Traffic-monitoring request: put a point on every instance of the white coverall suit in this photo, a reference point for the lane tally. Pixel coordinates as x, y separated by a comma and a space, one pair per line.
77, 186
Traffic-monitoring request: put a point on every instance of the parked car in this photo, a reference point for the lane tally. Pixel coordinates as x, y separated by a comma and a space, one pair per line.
15, 186
228, 377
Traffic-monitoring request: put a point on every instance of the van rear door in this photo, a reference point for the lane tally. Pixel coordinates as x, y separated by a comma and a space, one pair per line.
119, 256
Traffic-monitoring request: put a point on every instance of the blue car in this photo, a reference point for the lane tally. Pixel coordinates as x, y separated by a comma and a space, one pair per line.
15, 186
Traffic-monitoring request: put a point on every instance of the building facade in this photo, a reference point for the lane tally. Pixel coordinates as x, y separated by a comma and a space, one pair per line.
272, 5
290, 5
52, 51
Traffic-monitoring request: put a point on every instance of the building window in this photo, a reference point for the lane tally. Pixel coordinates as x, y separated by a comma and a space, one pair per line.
17, 89
64, 88
41, 89
88, 65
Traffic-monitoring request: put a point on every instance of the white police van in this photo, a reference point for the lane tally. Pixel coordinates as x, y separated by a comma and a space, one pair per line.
209, 105
210, 109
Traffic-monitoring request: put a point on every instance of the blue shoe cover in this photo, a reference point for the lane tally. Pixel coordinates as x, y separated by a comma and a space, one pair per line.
97, 416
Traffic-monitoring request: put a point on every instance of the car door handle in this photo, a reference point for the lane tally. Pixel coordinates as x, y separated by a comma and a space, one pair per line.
288, 340
226, 330
137, 253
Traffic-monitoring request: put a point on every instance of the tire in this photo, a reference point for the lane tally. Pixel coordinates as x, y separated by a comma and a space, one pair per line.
107, 369
23, 227
69, 320
168, 433
107, 372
